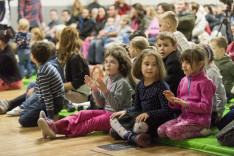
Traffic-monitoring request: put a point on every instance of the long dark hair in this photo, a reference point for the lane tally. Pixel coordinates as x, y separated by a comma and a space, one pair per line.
140, 11
6, 35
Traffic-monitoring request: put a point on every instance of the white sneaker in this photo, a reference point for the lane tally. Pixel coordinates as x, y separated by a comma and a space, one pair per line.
15, 112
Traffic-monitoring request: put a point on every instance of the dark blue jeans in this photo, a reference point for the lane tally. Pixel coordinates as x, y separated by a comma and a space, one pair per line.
30, 115
226, 119
30, 100
96, 51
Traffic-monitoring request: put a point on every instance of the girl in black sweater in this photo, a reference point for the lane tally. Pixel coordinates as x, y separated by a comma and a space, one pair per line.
10, 77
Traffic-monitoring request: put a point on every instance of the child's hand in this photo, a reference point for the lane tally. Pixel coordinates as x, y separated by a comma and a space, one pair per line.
30, 92
180, 101
142, 117
90, 82
120, 114
169, 95
101, 85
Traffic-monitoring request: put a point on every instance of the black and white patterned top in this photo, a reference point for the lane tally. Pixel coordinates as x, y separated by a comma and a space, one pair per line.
22, 39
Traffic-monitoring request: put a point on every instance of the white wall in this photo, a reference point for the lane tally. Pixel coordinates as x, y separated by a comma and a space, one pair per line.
108, 2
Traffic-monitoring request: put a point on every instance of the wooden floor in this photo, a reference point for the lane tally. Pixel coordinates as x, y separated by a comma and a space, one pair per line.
16, 140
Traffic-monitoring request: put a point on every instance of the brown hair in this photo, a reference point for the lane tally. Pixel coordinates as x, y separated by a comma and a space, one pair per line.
125, 18
171, 16
125, 64
193, 56
147, 52
195, 6
208, 50
152, 12
220, 41
167, 35
140, 11
37, 31
6, 35
70, 43
23, 24
140, 43
52, 48
41, 51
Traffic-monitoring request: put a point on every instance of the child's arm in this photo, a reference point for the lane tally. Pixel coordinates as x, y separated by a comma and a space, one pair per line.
165, 110
116, 98
205, 104
46, 95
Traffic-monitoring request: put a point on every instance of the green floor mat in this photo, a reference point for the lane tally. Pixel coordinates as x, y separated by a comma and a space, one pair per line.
26, 81
207, 144
63, 113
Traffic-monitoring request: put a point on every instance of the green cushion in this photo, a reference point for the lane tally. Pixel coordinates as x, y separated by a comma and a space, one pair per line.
232, 100
207, 144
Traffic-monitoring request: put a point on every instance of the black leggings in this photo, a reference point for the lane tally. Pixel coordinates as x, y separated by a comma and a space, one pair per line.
17, 101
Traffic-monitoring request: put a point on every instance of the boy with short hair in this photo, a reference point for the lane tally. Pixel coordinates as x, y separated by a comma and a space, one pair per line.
167, 48
168, 21
49, 87
224, 63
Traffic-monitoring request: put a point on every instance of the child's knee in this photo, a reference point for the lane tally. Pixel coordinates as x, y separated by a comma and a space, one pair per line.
140, 127
172, 133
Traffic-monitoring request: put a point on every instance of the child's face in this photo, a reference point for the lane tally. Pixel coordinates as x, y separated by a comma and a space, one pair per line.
149, 68
163, 24
132, 51
123, 22
218, 52
165, 47
33, 36
110, 21
111, 65
188, 70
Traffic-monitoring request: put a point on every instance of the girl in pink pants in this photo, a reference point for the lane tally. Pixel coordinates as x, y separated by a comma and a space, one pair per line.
113, 95
194, 97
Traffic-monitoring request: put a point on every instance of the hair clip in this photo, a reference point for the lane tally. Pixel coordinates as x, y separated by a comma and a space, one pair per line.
5, 31
208, 49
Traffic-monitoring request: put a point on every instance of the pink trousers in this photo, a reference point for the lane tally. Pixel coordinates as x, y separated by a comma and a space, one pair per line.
84, 122
179, 130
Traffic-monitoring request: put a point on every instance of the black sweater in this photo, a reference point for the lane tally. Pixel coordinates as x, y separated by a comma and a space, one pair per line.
9, 71
174, 70
76, 69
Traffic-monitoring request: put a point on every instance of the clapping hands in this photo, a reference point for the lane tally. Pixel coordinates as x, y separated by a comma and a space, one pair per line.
172, 99
95, 84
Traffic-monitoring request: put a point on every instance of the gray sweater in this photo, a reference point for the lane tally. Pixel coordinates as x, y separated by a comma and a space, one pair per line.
220, 99
118, 96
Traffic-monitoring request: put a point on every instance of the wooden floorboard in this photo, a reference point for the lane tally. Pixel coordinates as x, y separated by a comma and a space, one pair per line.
16, 140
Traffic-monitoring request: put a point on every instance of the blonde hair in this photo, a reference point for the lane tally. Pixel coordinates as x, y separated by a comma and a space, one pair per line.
152, 12
171, 16
23, 24
167, 35
76, 11
125, 18
140, 43
59, 30
70, 43
220, 41
39, 33
161, 68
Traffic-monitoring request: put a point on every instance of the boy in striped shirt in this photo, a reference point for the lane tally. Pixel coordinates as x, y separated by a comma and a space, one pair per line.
49, 87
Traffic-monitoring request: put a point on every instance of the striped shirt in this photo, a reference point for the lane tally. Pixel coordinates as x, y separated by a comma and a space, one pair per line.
49, 85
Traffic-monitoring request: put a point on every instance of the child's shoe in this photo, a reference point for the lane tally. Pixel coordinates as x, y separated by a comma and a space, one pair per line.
143, 140
4, 106
15, 112
114, 134
48, 127
43, 116
69, 106
206, 132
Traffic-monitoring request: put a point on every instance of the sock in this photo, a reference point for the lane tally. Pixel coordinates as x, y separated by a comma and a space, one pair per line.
118, 127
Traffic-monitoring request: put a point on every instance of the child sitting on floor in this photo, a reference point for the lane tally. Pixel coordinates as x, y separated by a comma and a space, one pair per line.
194, 98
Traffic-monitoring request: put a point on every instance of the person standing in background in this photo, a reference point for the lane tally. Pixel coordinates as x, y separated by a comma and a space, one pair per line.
31, 10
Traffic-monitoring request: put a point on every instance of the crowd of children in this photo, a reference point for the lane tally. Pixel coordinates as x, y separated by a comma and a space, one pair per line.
172, 89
